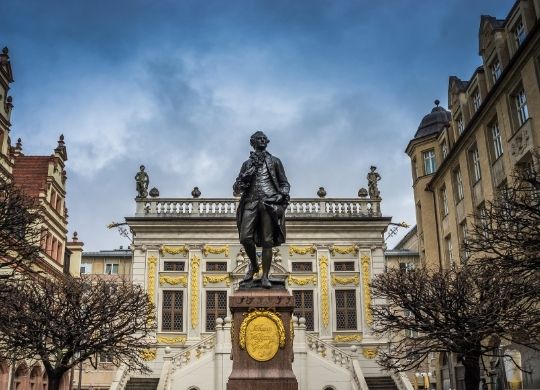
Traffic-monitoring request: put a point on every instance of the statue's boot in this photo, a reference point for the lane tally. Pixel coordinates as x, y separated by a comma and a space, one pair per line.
266, 261
252, 270
253, 267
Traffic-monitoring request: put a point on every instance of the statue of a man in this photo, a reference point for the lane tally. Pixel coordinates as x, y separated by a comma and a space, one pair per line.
141, 183
373, 188
261, 212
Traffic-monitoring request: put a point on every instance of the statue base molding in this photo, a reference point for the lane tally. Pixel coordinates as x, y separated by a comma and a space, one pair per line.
262, 340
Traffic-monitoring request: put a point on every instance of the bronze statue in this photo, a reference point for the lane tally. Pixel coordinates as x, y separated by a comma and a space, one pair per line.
261, 213
373, 177
142, 180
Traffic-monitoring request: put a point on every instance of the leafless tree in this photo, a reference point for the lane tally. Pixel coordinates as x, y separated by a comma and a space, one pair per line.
65, 321
458, 310
20, 229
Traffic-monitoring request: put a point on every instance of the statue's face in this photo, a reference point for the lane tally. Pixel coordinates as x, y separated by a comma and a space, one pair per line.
259, 142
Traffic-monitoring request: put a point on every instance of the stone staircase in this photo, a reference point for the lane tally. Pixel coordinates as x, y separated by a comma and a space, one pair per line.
142, 384
381, 383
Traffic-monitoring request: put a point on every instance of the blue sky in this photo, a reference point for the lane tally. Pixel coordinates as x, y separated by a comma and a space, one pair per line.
179, 86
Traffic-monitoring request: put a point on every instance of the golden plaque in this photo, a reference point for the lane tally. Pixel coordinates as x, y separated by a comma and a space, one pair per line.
262, 334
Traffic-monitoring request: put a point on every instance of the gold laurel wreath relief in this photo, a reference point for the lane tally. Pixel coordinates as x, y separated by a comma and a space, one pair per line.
345, 280
325, 305
195, 266
348, 338
215, 250
216, 279
365, 263
302, 250
171, 340
303, 280
343, 250
369, 353
175, 250
173, 280
148, 354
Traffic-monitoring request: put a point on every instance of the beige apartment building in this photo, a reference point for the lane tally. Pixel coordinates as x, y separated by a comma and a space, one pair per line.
461, 156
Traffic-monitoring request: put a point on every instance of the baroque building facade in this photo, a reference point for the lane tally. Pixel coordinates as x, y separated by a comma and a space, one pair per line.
42, 178
187, 254
461, 156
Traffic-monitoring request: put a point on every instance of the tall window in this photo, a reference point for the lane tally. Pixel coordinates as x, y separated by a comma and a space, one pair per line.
303, 306
216, 307
449, 254
172, 311
496, 70
519, 33
444, 200
497, 142
458, 185
346, 309
464, 234
476, 100
460, 125
429, 162
521, 106
111, 269
475, 161
444, 148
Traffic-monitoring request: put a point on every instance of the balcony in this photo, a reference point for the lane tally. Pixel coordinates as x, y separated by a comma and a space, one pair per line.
226, 208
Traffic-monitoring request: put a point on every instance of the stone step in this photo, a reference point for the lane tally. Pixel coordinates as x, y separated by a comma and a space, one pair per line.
381, 383
142, 384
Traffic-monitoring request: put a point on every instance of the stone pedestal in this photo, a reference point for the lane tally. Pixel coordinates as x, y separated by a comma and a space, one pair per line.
262, 340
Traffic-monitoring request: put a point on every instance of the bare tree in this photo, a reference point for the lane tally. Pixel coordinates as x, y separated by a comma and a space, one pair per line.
457, 310
65, 321
20, 229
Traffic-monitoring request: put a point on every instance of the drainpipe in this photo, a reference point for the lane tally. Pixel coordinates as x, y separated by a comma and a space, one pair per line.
428, 188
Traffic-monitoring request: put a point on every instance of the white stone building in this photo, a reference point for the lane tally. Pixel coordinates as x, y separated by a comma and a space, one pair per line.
187, 255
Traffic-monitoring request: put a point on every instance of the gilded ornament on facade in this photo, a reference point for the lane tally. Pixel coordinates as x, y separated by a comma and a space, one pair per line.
343, 250
303, 250
365, 260
303, 280
348, 338
173, 280
195, 266
262, 334
151, 287
171, 340
175, 250
369, 353
215, 250
325, 305
149, 354
216, 279
345, 280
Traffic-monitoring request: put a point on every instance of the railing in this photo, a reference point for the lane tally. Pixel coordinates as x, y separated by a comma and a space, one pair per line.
340, 358
226, 207
120, 379
401, 381
185, 357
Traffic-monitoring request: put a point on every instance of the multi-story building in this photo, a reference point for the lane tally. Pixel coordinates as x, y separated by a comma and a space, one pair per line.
114, 262
461, 156
44, 179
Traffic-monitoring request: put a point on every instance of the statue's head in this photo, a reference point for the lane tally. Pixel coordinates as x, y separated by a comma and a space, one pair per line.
373, 168
142, 167
259, 140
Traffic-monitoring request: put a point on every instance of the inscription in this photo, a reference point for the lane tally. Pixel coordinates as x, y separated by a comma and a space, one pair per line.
262, 339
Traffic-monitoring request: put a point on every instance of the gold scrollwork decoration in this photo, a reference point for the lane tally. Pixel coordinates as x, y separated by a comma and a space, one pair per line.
174, 250
369, 353
343, 250
195, 266
348, 338
345, 280
325, 305
215, 250
171, 340
149, 354
216, 279
303, 280
173, 280
256, 313
151, 287
365, 262
302, 250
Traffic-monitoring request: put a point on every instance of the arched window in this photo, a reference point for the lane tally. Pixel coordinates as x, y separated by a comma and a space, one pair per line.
21, 377
35, 378
4, 375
